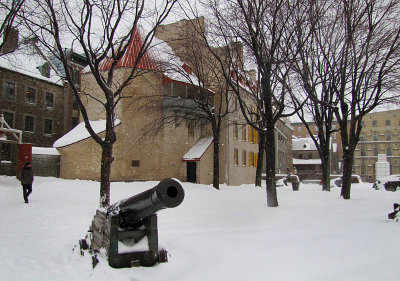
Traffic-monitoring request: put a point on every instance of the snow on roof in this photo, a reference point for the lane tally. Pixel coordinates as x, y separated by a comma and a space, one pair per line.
159, 56
80, 133
26, 60
45, 151
197, 151
303, 144
306, 161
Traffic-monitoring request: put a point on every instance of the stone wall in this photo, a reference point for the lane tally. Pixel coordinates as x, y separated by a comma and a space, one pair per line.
46, 165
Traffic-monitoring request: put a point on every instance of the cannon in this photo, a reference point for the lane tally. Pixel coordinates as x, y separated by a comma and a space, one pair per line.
128, 229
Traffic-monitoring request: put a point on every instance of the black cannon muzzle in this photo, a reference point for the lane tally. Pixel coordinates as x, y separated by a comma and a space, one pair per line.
167, 194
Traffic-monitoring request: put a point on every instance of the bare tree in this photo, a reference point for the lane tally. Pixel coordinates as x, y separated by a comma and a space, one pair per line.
102, 30
264, 28
316, 101
362, 56
9, 10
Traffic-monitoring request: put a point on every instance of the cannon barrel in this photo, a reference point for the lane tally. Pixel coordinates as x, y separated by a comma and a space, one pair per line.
167, 194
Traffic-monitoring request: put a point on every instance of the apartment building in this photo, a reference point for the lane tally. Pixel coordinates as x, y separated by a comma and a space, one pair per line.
380, 135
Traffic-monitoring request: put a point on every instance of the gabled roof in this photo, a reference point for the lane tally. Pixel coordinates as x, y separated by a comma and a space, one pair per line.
25, 60
129, 58
159, 57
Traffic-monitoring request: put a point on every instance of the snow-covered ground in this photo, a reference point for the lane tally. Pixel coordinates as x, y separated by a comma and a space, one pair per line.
229, 234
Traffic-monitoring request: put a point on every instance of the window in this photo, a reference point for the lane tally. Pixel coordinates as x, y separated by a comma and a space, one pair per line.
299, 129
376, 151
363, 124
389, 151
315, 128
388, 136
190, 128
48, 127
9, 118
362, 151
375, 123
376, 136
235, 157
244, 132
6, 151
49, 100
362, 137
9, 90
363, 169
244, 158
31, 95
251, 136
235, 131
29, 124
387, 122
255, 159
251, 159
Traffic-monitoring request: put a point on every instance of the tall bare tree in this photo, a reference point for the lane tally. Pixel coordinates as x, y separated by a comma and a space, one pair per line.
361, 44
316, 99
264, 28
102, 30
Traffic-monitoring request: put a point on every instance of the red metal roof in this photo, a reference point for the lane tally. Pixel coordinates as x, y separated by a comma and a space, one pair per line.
129, 58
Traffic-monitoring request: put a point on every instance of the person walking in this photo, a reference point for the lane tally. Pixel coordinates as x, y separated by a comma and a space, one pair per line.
26, 179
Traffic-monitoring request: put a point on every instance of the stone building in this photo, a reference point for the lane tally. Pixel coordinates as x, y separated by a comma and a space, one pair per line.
306, 159
300, 131
380, 135
181, 149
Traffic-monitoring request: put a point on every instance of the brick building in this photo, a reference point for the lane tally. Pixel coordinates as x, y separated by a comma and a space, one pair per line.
34, 98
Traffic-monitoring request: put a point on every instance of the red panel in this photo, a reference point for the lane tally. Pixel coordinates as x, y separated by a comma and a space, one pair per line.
24, 155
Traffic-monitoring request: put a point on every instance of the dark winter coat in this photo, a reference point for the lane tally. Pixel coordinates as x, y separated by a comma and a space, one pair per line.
26, 175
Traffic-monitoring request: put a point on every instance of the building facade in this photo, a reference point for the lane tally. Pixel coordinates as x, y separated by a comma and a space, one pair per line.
380, 135
182, 149
34, 98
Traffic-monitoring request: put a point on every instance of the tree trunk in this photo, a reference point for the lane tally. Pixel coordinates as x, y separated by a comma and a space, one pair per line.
272, 197
261, 150
326, 171
216, 161
106, 160
348, 156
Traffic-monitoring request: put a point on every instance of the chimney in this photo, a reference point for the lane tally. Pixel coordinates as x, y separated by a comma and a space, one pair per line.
10, 41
